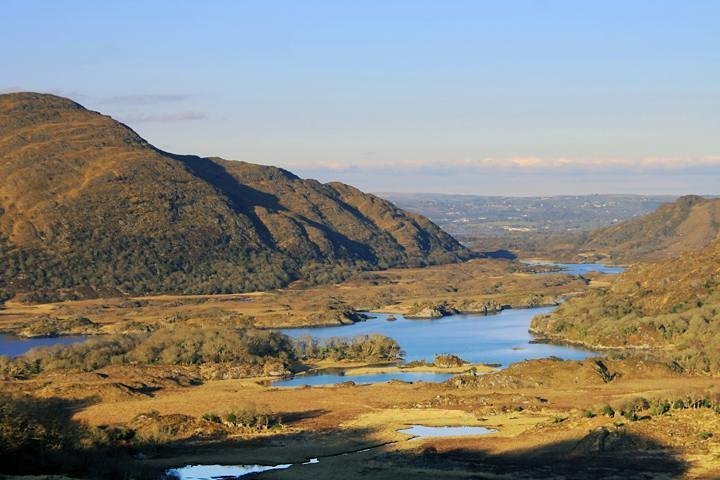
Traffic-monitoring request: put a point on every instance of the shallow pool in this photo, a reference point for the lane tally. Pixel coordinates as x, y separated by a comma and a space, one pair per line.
226, 472
423, 431
335, 378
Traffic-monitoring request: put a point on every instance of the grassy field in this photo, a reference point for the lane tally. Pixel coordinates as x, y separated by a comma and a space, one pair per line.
546, 412
539, 408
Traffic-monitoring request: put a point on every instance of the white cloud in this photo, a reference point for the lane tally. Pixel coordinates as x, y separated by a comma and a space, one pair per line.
530, 164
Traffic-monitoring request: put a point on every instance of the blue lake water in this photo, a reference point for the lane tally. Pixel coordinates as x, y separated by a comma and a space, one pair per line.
335, 378
228, 472
500, 339
581, 268
496, 339
13, 346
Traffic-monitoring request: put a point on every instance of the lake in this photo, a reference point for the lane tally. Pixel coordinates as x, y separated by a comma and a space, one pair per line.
13, 346
501, 338
335, 378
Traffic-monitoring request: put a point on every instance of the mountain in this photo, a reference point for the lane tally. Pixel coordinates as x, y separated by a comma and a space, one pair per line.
671, 306
691, 223
88, 207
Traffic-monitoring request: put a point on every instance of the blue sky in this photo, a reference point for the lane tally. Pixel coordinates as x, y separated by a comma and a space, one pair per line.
486, 97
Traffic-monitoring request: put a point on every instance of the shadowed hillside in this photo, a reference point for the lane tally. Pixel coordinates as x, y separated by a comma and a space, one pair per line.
88, 208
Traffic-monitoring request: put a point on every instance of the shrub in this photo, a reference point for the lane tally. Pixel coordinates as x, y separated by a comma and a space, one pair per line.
608, 411
211, 417
178, 345
250, 418
359, 348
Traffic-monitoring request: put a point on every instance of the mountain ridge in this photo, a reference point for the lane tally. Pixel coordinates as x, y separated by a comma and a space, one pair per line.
88, 203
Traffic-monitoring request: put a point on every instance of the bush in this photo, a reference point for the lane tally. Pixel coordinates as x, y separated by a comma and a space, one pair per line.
448, 361
179, 345
359, 348
250, 418
608, 411
211, 417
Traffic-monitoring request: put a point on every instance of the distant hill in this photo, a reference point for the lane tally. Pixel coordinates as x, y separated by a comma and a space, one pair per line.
673, 305
470, 216
691, 223
87, 207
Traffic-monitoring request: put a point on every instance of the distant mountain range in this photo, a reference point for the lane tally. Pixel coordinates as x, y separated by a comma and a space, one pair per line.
87, 207
470, 216
689, 223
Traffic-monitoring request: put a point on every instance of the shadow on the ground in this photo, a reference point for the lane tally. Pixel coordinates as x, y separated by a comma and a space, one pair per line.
40, 436
499, 254
600, 454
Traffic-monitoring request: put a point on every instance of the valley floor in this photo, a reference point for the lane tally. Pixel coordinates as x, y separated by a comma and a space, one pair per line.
477, 286
552, 418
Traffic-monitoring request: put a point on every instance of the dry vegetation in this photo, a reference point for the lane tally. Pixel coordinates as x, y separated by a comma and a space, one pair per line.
168, 399
565, 413
670, 308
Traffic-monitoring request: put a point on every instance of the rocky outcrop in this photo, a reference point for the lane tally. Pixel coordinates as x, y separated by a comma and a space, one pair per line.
438, 310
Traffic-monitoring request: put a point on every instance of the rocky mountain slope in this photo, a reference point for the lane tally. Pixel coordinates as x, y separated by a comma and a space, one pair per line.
87, 207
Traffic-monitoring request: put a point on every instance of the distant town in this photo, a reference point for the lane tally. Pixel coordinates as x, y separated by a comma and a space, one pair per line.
464, 215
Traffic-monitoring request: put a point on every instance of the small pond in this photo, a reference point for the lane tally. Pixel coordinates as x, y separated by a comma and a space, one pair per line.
224, 472
423, 431
335, 378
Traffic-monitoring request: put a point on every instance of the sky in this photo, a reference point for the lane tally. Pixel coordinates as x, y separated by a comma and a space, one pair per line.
506, 97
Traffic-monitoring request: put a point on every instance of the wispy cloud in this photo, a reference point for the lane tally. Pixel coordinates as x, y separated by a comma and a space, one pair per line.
530, 164
163, 118
144, 99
